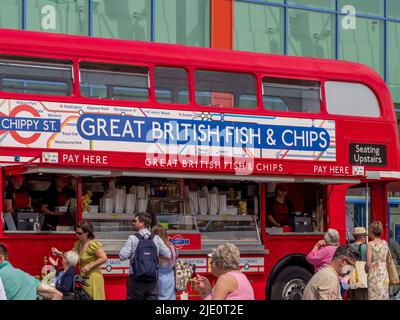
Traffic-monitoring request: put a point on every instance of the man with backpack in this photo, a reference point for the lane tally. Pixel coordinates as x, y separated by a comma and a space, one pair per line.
143, 250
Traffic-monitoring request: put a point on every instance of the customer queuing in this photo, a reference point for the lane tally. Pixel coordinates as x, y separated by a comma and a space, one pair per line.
377, 255
64, 280
166, 275
322, 253
91, 257
324, 285
231, 283
18, 285
138, 289
360, 237
394, 249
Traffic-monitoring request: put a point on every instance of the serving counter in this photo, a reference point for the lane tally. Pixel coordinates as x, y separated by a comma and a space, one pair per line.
114, 229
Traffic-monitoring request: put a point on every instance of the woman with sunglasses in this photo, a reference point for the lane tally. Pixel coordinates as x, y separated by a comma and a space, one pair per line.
91, 257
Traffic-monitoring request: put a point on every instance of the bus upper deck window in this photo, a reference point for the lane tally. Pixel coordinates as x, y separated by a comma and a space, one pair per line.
225, 89
35, 76
169, 83
292, 95
120, 82
351, 99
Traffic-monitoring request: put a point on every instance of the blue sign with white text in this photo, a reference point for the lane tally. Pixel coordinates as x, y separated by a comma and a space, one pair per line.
201, 133
29, 124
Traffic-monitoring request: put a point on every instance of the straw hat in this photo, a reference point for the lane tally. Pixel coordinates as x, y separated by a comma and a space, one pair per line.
359, 231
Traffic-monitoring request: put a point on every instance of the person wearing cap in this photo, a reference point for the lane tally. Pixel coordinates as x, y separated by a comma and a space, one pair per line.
55, 196
279, 207
359, 245
323, 251
17, 196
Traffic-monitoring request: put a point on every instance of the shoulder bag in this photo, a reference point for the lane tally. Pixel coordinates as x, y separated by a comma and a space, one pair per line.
359, 278
392, 270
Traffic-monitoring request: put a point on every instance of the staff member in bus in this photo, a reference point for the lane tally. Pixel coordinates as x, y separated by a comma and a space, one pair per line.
17, 196
279, 207
56, 195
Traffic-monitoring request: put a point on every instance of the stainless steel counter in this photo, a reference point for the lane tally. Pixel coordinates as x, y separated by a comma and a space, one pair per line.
112, 247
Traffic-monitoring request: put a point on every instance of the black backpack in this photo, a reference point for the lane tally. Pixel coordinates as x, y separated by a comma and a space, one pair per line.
145, 260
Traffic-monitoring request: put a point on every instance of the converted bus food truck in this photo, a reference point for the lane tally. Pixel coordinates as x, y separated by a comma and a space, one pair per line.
197, 137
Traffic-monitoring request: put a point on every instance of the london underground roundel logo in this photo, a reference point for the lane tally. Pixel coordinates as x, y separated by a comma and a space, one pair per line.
25, 118
179, 242
14, 113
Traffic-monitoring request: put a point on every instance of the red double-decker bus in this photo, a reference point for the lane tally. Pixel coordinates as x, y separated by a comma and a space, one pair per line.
199, 138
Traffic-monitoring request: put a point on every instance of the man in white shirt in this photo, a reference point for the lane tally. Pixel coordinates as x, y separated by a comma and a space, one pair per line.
2, 291
136, 289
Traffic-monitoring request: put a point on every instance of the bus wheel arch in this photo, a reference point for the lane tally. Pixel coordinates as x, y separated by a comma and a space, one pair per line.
288, 278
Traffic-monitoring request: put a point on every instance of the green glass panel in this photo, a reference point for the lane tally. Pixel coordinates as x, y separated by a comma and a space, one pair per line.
364, 43
11, 14
277, 1
394, 9
374, 7
183, 21
323, 4
122, 19
311, 34
393, 79
258, 28
70, 17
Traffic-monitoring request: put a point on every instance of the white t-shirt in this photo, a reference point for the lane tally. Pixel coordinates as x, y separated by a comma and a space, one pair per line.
2, 291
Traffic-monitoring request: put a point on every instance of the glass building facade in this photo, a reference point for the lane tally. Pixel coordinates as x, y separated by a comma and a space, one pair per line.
353, 30
172, 21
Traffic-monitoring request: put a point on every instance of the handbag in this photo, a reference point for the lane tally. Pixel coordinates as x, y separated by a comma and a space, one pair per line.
359, 278
392, 270
183, 273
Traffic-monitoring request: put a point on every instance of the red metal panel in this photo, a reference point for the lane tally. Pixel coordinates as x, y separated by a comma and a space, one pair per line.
379, 206
336, 207
222, 24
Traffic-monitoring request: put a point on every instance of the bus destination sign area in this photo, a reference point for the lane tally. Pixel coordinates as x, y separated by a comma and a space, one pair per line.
97, 128
367, 154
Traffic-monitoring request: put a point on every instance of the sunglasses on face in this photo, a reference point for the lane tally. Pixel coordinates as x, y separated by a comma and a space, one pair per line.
79, 233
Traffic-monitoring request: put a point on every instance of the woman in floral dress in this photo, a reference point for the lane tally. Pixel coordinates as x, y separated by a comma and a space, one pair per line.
377, 255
